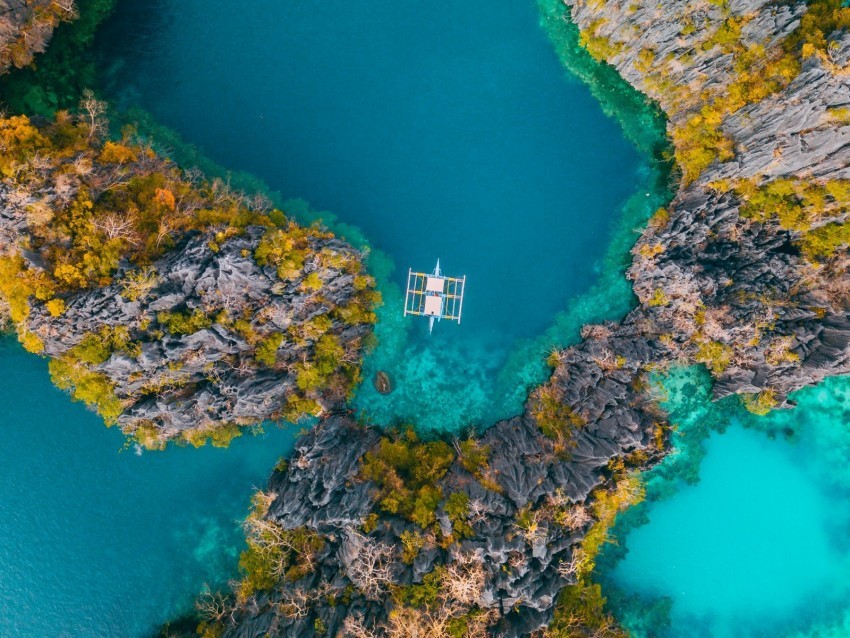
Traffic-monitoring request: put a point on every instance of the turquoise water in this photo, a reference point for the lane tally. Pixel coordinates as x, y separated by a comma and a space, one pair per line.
440, 129
97, 540
759, 543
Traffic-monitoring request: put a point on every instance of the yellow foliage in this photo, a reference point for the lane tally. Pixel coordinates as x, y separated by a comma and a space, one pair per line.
220, 435
30, 341
114, 153
715, 355
649, 251
166, 198
149, 437
69, 275
659, 298
644, 60
92, 388
55, 307
312, 282
628, 491
130, 213
20, 141
761, 403
801, 206
14, 287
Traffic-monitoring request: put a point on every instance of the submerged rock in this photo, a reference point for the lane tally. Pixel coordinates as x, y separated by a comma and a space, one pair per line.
382, 382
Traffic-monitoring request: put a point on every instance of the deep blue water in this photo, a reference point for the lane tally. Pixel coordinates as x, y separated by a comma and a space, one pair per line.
95, 540
442, 129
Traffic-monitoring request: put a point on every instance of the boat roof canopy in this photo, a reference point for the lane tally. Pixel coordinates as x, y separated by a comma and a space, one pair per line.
434, 295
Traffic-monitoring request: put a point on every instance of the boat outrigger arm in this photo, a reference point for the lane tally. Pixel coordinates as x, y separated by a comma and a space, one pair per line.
434, 296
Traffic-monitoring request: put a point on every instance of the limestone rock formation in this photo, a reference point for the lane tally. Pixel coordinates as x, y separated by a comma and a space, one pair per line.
170, 304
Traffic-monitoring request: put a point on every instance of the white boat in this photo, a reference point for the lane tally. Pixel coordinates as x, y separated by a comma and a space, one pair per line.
434, 296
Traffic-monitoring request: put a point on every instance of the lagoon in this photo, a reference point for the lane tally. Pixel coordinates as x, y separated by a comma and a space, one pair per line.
441, 130
746, 530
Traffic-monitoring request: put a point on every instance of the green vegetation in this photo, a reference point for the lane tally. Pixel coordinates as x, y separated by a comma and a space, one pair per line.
183, 322
715, 355
57, 78
580, 611
795, 204
406, 472
130, 204
122, 205
286, 251
329, 372
457, 509
822, 18
219, 436
557, 421
601, 48
149, 436
92, 388
760, 404
474, 457
412, 543
266, 351
658, 298
274, 554
424, 594
802, 206
756, 73
821, 243
445, 603
19, 52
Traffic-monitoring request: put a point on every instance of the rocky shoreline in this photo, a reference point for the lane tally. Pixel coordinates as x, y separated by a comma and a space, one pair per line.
26, 27
173, 306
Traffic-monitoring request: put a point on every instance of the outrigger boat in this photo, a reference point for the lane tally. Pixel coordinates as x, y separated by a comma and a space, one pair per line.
434, 296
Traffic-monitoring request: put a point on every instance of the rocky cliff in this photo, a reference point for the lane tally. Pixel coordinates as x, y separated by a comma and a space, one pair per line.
173, 306
510, 510
746, 272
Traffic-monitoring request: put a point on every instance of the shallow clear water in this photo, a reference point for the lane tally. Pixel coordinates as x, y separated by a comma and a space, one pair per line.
96, 540
759, 545
442, 130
